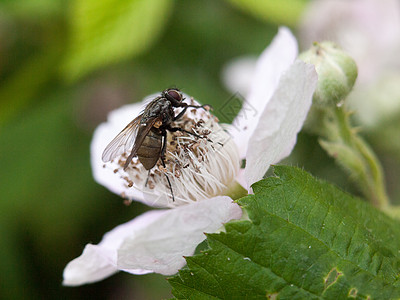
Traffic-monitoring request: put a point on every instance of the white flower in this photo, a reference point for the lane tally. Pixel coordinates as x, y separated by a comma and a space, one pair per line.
157, 240
369, 31
196, 168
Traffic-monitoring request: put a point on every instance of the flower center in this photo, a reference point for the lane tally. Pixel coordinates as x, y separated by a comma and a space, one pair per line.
198, 166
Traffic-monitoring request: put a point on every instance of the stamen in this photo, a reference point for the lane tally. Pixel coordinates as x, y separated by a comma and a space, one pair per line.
198, 167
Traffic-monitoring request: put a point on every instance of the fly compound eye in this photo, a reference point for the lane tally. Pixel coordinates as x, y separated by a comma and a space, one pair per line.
175, 94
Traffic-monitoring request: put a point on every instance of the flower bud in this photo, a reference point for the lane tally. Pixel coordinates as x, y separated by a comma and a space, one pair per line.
337, 72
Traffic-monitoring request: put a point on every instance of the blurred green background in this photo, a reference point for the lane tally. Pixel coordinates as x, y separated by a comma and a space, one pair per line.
63, 66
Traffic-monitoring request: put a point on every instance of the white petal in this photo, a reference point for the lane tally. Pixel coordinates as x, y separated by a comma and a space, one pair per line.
275, 60
100, 261
153, 242
241, 179
237, 74
276, 132
104, 133
90, 267
160, 247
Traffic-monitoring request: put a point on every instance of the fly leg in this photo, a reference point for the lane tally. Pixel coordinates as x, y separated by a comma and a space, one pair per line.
175, 129
164, 148
147, 180
186, 106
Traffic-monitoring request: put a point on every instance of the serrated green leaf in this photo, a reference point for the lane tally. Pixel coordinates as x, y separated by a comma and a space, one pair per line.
109, 31
306, 239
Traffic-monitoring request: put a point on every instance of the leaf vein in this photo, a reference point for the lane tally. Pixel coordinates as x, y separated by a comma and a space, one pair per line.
265, 267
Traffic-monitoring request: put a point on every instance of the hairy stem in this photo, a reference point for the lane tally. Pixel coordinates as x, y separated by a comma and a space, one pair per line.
343, 143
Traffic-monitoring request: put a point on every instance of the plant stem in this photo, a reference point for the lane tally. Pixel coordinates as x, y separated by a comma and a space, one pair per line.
343, 143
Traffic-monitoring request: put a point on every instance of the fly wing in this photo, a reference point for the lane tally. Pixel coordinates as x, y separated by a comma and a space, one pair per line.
143, 130
123, 141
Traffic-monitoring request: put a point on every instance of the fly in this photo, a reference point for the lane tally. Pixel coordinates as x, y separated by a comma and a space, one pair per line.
145, 136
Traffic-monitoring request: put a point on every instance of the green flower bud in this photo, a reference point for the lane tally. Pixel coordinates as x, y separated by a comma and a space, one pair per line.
337, 72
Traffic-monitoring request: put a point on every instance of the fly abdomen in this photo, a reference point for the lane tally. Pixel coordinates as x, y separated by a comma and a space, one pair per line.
150, 150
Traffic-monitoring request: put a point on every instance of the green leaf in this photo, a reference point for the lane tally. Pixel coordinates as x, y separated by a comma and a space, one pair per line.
305, 240
109, 31
279, 12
